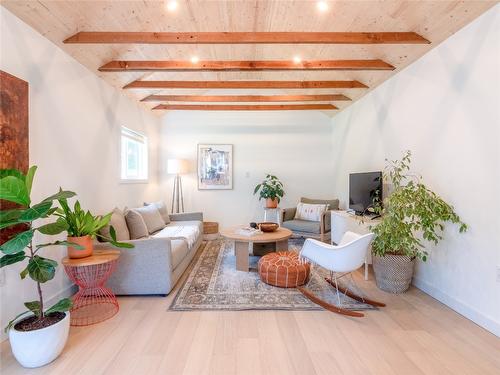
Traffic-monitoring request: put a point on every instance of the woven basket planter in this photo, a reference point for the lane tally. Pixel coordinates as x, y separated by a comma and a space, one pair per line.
393, 273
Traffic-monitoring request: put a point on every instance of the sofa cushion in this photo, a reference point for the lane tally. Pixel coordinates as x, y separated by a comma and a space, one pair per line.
333, 204
118, 222
302, 226
151, 217
189, 231
136, 225
179, 252
310, 212
162, 208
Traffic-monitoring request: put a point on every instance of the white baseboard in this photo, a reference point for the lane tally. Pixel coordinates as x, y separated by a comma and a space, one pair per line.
467, 311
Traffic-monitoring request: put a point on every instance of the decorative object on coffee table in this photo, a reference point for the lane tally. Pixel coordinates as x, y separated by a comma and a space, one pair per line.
94, 302
283, 269
210, 230
258, 244
215, 167
268, 227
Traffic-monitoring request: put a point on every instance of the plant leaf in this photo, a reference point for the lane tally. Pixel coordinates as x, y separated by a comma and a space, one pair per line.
33, 306
54, 228
10, 215
12, 258
23, 273
61, 243
37, 211
29, 178
18, 243
13, 189
11, 323
63, 305
62, 194
41, 269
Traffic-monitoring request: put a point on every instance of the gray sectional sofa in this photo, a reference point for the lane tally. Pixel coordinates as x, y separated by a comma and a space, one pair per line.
158, 259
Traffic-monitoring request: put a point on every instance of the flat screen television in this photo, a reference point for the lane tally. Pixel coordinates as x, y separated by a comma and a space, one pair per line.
364, 190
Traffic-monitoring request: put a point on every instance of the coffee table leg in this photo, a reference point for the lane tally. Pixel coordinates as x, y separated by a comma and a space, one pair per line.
282, 245
242, 257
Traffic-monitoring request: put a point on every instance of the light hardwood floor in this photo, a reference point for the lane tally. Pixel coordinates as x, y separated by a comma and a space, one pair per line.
414, 334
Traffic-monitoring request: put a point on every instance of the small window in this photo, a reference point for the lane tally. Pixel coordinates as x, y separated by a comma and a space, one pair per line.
134, 156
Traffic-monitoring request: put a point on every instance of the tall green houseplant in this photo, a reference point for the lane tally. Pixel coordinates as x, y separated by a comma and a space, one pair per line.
271, 189
16, 187
410, 214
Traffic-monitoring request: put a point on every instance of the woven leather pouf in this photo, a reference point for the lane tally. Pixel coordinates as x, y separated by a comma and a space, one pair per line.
283, 269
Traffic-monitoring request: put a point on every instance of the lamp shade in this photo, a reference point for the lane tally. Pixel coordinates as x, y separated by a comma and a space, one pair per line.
177, 166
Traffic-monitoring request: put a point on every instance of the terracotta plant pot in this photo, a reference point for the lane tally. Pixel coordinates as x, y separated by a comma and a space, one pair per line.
271, 203
86, 242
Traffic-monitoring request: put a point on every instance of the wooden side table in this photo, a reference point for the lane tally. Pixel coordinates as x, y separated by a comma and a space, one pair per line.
94, 302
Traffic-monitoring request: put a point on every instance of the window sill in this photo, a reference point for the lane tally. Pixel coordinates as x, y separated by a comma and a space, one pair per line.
134, 181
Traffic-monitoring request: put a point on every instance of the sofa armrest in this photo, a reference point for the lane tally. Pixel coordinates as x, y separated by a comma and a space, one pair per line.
288, 214
188, 216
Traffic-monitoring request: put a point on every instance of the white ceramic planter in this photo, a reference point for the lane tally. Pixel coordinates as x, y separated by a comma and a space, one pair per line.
39, 347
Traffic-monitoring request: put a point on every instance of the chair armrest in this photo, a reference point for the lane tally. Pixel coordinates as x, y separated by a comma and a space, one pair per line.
288, 214
188, 216
326, 218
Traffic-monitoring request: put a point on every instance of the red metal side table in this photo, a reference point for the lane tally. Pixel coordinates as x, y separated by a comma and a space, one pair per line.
94, 302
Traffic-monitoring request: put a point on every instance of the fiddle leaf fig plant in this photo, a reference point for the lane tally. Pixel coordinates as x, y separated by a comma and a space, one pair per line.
412, 212
271, 188
16, 187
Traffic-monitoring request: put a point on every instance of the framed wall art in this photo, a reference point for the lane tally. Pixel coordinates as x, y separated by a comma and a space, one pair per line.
215, 167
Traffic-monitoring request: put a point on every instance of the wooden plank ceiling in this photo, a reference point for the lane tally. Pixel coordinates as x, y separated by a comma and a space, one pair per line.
205, 55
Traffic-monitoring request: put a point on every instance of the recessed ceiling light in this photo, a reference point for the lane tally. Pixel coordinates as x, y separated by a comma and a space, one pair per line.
322, 6
171, 5
297, 59
195, 59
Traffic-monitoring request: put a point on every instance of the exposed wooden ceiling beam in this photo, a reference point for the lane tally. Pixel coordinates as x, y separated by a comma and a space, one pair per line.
245, 85
278, 107
247, 38
258, 65
244, 98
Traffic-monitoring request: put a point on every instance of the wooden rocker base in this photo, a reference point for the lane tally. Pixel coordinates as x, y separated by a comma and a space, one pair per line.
354, 296
327, 305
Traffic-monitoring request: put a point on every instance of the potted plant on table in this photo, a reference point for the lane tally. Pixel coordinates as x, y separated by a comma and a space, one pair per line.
38, 339
412, 212
271, 189
82, 227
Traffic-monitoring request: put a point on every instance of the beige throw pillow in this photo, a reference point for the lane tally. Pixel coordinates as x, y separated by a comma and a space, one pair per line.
136, 225
152, 218
162, 208
310, 212
118, 222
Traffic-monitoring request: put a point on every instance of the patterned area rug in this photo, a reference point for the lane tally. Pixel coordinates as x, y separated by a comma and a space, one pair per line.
215, 284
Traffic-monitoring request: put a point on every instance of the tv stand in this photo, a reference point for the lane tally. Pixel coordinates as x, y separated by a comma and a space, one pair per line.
343, 221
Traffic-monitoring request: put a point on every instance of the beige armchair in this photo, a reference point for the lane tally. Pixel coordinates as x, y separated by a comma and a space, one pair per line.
310, 229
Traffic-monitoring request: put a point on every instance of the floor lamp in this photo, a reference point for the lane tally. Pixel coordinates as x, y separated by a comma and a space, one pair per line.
177, 167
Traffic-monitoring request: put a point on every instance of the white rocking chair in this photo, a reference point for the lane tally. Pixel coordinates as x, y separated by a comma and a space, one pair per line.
340, 260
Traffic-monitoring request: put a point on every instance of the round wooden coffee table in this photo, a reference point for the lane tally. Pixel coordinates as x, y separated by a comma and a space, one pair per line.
258, 244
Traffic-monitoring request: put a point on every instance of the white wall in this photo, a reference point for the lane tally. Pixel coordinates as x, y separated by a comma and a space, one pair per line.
75, 120
295, 146
446, 109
